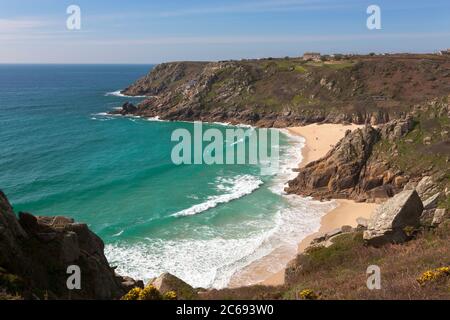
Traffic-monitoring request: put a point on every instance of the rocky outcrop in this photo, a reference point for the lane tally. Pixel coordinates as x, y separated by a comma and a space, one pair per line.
350, 170
337, 175
431, 202
39, 251
426, 187
168, 282
439, 216
390, 220
287, 92
326, 239
127, 109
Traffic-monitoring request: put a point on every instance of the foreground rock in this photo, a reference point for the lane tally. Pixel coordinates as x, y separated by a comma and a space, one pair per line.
38, 251
168, 282
391, 220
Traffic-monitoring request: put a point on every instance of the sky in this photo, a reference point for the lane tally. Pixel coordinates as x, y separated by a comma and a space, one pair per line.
138, 31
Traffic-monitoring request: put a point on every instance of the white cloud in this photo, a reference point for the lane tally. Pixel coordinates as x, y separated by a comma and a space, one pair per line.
21, 24
260, 6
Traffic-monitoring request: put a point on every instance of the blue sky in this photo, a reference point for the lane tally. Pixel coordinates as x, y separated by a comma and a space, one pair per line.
136, 31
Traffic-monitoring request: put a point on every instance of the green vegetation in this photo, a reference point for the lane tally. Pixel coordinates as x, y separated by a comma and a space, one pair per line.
340, 65
148, 293
426, 149
285, 65
299, 99
339, 271
10, 281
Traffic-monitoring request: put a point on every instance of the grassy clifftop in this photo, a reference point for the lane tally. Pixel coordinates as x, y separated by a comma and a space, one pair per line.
279, 92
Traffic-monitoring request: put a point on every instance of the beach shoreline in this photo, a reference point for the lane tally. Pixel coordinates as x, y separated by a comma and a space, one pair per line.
319, 140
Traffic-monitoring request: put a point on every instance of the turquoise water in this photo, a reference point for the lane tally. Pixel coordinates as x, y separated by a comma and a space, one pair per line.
62, 155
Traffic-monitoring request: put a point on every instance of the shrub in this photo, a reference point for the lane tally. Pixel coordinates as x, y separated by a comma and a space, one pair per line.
170, 295
308, 294
149, 293
133, 294
433, 275
11, 282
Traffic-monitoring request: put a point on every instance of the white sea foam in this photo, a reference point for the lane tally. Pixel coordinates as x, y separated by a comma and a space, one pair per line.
118, 234
292, 156
102, 116
212, 262
119, 94
225, 124
154, 119
211, 256
235, 188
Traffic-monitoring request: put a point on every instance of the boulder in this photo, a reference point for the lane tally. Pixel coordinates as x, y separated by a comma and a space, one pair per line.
128, 108
346, 229
325, 239
390, 220
333, 233
431, 202
427, 217
168, 282
362, 223
426, 187
439, 217
129, 283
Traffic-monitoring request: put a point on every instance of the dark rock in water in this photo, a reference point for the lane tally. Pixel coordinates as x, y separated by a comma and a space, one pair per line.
40, 249
390, 220
168, 282
127, 108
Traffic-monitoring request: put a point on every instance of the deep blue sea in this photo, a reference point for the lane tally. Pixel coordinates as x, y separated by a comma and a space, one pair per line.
61, 154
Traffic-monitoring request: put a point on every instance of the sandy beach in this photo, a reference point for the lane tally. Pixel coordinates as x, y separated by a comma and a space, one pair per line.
319, 141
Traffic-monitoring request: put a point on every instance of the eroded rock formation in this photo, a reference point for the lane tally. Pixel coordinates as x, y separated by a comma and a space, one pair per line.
36, 252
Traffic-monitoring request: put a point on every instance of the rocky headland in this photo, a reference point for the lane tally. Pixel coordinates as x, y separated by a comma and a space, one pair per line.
400, 158
35, 253
291, 91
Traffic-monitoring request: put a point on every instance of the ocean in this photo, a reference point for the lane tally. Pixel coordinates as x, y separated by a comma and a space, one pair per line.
61, 154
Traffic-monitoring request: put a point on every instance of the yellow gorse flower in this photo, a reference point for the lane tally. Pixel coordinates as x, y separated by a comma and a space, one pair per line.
170, 295
308, 294
433, 275
148, 293
133, 294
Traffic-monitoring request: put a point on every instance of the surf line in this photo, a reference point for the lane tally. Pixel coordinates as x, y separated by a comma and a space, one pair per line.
236, 153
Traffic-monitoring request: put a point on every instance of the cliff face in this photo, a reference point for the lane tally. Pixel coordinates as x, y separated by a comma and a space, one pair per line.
377, 163
36, 251
283, 92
